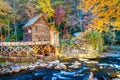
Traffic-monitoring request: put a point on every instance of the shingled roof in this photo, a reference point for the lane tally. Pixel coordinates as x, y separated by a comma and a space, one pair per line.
32, 21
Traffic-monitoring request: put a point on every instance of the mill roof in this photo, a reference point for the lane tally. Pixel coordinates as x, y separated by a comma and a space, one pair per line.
32, 21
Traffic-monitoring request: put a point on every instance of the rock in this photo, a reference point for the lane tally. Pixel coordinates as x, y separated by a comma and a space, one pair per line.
3, 71
65, 63
94, 69
74, 66
77, 63
10, 64
31, 67
74, 51
111, 65
41, 61
92, 62
7, 70
118, 76
61, 66
15, 68
104, 65
83, 60
23, 67
37, 63
55, 62
101, 67
52, 64
43, 65
116, 79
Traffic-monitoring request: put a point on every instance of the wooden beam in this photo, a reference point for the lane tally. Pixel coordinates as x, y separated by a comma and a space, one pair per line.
23, 43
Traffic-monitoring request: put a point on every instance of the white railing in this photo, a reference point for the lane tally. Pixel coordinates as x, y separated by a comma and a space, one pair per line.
23, 43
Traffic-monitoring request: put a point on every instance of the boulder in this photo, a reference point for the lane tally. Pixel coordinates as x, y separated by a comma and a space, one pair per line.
7, 70
61, 66
15, 68
37, 63
101, 67
83, 60
52, 64
116, 79
74, 66
65, 62
23, 67
43, 65
118, 76
94, 69
31, 67
77, 63
55, 62
92, 62
41, 61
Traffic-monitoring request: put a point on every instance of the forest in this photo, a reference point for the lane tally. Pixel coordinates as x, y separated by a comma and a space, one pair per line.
81, 40
68, 17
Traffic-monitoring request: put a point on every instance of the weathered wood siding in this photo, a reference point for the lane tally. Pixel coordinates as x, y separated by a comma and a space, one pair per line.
54, 37
40, 31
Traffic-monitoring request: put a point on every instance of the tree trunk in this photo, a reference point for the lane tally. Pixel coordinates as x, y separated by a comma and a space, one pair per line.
1, 33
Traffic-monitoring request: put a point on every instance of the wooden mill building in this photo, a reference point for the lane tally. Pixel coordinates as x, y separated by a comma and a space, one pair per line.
38, 29
39, 38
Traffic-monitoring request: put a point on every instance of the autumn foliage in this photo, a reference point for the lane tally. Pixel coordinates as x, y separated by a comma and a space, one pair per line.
106, 13
59, 14
45, 6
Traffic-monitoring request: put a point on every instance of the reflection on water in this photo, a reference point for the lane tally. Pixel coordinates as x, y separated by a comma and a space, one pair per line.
18, 59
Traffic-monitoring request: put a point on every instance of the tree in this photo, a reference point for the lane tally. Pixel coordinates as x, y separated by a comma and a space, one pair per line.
5, 11
45, 6
59, 14
18, 17
31, 10
106, 13
65, 12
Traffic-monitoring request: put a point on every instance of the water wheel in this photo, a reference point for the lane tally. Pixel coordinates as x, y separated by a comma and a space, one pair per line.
48, 49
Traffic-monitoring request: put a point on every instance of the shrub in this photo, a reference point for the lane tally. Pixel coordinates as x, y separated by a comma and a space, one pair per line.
95, 39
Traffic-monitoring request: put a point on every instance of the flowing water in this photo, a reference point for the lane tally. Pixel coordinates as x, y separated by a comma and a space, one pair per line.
104, 68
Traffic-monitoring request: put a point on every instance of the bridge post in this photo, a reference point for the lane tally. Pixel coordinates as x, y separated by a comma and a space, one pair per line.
18, 50
27, 51
10, 51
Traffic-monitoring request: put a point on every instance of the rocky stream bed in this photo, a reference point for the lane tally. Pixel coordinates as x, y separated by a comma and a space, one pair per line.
104, 68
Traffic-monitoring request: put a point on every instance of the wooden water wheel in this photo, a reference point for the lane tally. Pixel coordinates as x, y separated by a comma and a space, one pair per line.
48, 49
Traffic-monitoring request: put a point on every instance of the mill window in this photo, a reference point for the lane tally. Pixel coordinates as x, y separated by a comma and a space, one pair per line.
47, 29
36, 28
